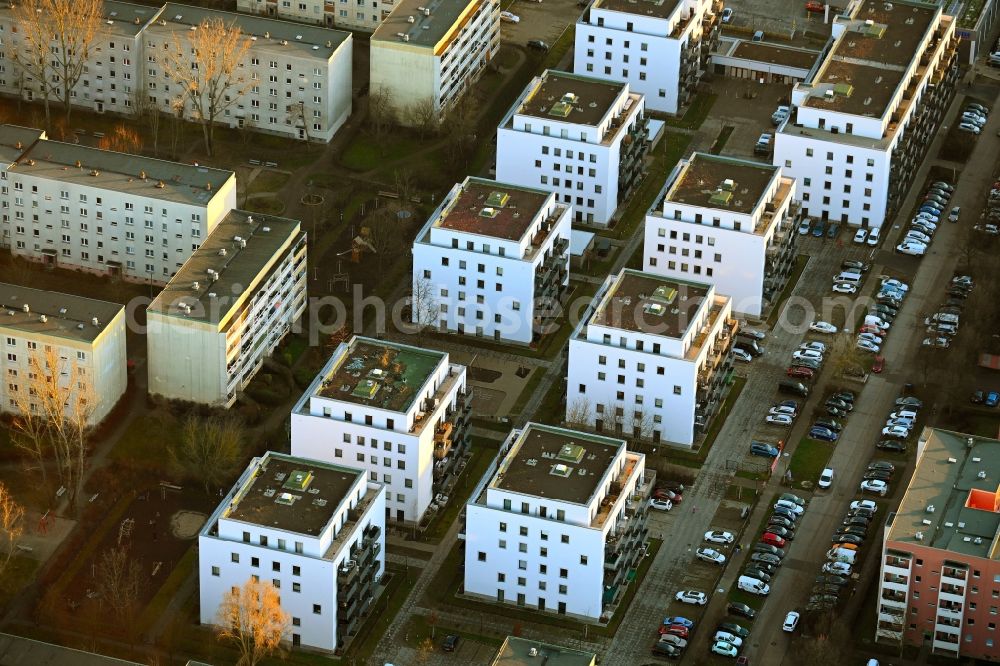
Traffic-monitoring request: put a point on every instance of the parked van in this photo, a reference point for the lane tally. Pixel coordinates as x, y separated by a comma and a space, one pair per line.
942, 317
849, 277
793, 388
841, 555
877, 322
753, 586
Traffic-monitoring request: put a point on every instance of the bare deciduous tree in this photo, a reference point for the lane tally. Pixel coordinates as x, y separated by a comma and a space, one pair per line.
383, 234
424, 306
122, 139
580, 413
424, 118
145, 111
120, 580
251, 617
209, 449
212, 79
52, 416
380, 115
297, 116
59, 37
11, 526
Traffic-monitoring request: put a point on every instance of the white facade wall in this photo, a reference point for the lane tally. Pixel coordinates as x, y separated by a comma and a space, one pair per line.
200, 361
346, 14
660, 381
87, 226
553, 563
579, 162
643, 50
100, 364
286, 78
394, 448
726, 248
225, 561
843, 162
508, 279
416, 74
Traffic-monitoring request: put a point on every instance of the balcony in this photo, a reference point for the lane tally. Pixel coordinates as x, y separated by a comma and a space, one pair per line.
443, 439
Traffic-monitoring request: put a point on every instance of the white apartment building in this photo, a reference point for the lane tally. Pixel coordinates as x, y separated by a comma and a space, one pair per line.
228, 307
315, 531
660, 48
492, 261
582, 137
105, 212
399, 412
88, 336
360, 15
301, 74
426, 53
727, 221
113, 75
14, 140
559, 524
862, 121
651, 358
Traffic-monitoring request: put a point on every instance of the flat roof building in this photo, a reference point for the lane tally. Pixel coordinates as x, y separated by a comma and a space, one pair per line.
227, 308
312, 529
941, 548
322, 12
103, 211
492, 261
427, 53
83, 336
727, 221
574, 506
399, 412
315, 86
580, 136
862, 120
651, 358
661, 48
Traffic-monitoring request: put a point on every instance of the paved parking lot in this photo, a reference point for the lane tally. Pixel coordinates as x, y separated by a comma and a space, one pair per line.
539, 20
776, 17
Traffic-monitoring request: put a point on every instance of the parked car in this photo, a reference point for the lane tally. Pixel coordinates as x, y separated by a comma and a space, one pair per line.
742, 355
710, 555
844, 288
860, 236
741, 609
779, 419
874, 486
766, 558
772, 539
510, 17
791, 622
727, 15
665, 650
825, 478
691, 597
725, 636
677, 619
765, 450
660, 504
538, 45
891, 446
734, 629
823, 327
823, 434
719, 536
793, 498
721, 647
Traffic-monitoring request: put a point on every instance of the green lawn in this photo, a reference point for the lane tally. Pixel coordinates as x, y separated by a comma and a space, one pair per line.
720, 141
809, 459
268, 181
266, 205
146, 440
365, 154
696, 113
19, 572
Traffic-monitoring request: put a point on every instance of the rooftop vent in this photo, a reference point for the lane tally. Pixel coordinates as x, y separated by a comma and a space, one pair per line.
298, 480
977, 540
949, 524
560, 470
62, 311
656, 309
222, 252
287, 499
977, 460
489, 212
42, 318
26, 307
952, 460
94, 321
982, 474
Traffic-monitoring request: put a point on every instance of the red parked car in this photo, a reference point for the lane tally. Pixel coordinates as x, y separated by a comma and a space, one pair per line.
772, 540
665, 494
814, 7
879, 364
800, 372
678, 630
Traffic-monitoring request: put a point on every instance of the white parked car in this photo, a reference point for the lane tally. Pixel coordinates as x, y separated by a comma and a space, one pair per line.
912, 248
813, 345
916, 236
779, 419
873, 236
870, 337
741, 355
895, 284
726, 637
837, 568
860, 236
895, 432
791, 621
807, 353
868, 346
875, 486
823, 327
782, 409
825, 478
955, 212
864, 504
691, 597
725, 649
710, 555
969, 127
510, 17
661, 504
719, 536
845, 288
